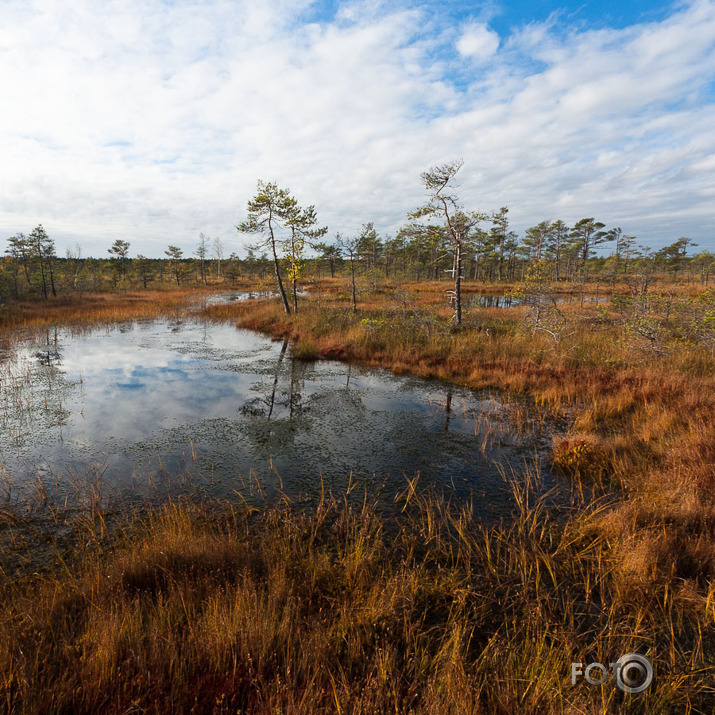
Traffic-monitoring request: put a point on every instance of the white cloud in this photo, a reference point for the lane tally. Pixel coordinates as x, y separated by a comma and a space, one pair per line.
152, 121
478, 42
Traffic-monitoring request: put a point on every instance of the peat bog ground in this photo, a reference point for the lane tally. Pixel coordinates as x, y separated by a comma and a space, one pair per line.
197, 602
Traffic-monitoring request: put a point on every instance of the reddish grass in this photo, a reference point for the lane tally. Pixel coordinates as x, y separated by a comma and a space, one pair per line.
217, 609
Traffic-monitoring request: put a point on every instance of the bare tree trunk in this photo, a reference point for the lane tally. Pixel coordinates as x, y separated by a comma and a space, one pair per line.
52, 277
44, 284
458, 282
558, 260
352, 272
277, 271
501, 254
276, 267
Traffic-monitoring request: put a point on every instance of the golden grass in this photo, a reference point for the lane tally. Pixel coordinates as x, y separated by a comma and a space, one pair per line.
92, 308
343, 609
217, 608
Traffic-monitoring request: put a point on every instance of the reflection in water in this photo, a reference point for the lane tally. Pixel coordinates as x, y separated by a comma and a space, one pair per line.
49, 358
284, 347
448, 408
505, 300
159, 399
492, 301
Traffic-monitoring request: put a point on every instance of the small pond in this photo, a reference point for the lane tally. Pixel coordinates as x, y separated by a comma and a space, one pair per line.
506, 300
170, 400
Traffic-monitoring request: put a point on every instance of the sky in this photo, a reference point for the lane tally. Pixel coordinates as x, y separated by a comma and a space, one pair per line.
152, 120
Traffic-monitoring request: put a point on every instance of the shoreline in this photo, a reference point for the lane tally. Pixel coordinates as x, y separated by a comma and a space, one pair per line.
449, 614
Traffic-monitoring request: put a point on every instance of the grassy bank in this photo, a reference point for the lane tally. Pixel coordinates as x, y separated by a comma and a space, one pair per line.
214, 607
209, 608
97, 308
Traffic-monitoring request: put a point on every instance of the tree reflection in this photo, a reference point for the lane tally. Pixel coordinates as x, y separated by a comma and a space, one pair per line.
277, 373
51, 353
448, 408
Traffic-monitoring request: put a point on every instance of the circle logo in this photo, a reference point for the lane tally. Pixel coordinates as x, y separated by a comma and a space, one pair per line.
634, 673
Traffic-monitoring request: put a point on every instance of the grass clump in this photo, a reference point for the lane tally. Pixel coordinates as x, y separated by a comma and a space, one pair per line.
305, 350
345, 609
213, 608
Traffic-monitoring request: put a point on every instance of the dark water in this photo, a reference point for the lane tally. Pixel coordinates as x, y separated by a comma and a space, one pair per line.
490, 300
503, 300
157, 401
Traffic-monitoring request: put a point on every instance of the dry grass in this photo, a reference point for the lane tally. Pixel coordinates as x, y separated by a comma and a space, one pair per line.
640, 423
92, 308
218, 608
215, 608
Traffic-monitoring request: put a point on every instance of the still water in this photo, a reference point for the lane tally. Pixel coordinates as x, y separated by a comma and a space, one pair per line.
506, 300
157, 401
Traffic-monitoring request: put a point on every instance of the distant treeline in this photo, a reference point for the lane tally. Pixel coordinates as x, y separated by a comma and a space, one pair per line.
490, 253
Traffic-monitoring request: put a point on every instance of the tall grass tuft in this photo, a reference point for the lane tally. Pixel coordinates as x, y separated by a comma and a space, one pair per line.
210, 608
214, 607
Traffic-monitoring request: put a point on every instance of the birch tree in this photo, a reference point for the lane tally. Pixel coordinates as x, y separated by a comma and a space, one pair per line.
350, 247
218, 254
201, 252
301, 222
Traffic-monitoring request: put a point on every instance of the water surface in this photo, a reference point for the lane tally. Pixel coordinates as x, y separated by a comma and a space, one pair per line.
161, 400
506, 300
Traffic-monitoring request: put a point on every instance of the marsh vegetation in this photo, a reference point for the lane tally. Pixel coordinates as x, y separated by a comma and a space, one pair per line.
187, 599
388, 493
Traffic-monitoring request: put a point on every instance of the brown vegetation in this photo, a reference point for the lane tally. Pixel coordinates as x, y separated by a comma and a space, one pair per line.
93, 308
217, 608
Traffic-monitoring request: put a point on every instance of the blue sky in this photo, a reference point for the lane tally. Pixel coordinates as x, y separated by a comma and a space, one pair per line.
607, 14
151, 121
504, 16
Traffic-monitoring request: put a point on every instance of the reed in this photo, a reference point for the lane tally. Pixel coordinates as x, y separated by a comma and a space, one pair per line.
94, 308
212, 607
206, 606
